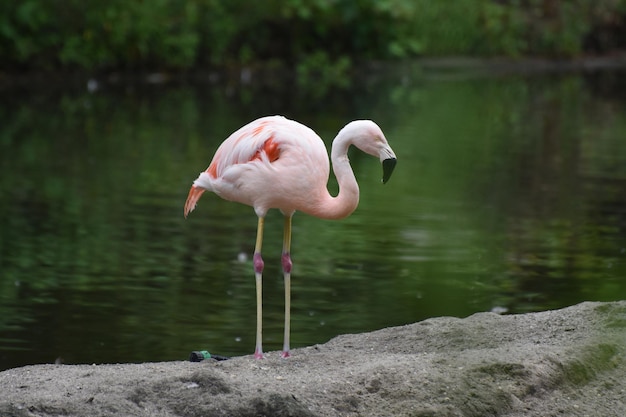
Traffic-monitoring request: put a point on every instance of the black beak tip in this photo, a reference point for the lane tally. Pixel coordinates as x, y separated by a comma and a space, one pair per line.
388, 166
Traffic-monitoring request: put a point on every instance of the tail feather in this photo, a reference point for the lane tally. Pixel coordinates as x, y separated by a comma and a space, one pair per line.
192, 199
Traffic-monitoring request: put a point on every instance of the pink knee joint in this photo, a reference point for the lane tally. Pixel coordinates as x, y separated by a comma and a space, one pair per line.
258, 263
286, 261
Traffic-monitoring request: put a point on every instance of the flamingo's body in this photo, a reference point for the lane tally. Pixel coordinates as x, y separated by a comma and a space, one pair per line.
274, 162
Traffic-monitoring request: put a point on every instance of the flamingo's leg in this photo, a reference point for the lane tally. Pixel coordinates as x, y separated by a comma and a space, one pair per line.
286, 261
258, 274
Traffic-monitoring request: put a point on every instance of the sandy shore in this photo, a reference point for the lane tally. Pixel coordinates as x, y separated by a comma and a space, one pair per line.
568, 362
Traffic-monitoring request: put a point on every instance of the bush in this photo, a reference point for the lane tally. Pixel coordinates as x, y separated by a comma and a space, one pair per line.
162, 34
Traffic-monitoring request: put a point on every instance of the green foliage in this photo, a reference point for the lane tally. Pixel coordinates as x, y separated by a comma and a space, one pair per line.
515, 27
95, 35
117, 34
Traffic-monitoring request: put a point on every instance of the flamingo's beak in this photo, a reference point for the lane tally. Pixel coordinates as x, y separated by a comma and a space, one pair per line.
388, 165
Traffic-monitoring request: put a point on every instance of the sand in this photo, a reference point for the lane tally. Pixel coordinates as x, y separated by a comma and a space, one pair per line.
568, 362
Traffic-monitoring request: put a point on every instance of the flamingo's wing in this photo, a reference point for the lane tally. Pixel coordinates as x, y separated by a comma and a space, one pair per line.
255, 141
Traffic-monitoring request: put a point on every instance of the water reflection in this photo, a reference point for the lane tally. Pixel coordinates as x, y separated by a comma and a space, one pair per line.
509, 193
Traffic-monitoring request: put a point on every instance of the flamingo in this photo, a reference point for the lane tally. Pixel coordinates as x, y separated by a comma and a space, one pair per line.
274, 162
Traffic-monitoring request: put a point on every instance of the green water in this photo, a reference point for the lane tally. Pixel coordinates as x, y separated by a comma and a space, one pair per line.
509, 193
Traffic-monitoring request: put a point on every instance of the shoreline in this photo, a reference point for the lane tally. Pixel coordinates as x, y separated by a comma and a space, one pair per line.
570, 361
257, 73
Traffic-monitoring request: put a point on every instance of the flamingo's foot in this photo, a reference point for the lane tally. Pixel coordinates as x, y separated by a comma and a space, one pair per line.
285, 354
258, 354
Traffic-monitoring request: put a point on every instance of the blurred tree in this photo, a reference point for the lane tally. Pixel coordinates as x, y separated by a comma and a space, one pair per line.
168, 34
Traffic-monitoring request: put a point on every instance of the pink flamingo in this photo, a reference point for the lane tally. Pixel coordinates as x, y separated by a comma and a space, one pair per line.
274, 162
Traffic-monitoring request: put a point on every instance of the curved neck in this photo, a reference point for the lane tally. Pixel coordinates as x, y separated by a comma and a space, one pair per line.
347, 200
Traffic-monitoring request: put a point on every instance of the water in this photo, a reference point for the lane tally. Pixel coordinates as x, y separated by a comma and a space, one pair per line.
509, 194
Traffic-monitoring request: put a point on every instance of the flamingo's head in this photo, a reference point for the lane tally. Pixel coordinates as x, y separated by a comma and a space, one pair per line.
368, 137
